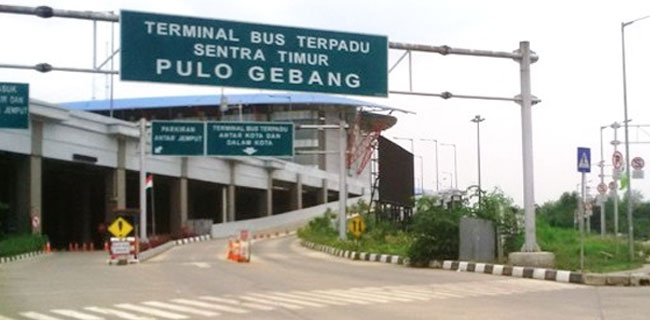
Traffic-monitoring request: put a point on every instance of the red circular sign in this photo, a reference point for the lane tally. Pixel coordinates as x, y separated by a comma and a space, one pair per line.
602, 188
617, 159
638, 163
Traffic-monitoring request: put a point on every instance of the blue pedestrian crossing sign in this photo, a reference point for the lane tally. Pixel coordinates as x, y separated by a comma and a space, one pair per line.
584, 160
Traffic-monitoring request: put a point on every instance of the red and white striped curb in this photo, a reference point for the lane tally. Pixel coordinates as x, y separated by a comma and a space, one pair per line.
22, 256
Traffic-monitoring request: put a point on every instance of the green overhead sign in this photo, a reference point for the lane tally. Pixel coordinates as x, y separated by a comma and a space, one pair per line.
187, 138
250, 139
188, 50
14, 105
178, 138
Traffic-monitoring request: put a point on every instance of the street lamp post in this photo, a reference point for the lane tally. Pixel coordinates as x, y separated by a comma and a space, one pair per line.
477, 119
630, 227
437, 176
455, 167
601, 164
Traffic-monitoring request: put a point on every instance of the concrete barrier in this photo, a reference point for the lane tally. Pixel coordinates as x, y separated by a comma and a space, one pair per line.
286, 221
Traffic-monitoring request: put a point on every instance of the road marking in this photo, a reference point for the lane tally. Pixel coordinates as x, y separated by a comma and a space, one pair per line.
291, 301
117, 313
202, 265
151, 311
76, 314
321, 296
4, 318
238, 303
379, 295
273, 303
37, 316
174, 307
321, 300
409, 295
210, 306
350, 295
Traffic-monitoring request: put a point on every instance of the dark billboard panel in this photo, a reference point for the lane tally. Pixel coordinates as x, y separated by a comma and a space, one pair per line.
395, 174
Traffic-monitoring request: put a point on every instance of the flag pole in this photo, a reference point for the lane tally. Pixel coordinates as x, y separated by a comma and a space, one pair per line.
153, 208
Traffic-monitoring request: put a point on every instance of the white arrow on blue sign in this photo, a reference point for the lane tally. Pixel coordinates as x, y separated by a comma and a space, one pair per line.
584, 160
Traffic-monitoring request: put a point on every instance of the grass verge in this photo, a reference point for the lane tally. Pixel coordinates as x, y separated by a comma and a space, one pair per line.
602, 254
18, 244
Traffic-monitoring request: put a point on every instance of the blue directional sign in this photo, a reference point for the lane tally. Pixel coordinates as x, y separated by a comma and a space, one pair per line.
584, 160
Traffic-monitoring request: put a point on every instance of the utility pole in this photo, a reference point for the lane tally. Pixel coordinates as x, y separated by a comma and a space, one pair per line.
455, 163
477, 119
437, 176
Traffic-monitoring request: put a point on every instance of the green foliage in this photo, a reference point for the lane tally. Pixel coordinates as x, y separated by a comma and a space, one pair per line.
601, 254
560, 213
435, 231
19, 244
497, 207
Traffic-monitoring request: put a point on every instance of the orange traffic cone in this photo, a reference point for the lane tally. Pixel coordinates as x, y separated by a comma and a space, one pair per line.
48, 249
105, 245
92, 246
76, 247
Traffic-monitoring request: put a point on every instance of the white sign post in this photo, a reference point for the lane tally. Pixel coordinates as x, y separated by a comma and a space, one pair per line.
584, 166
637, 163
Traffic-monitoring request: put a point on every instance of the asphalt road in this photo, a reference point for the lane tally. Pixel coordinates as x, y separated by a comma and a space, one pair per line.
287, 281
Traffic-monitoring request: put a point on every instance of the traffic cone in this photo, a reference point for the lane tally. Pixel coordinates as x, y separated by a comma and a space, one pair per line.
92, 246
76, 247
84, 247
105, 245
48, 249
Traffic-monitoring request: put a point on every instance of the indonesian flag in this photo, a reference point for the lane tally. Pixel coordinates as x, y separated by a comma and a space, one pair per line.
149, 183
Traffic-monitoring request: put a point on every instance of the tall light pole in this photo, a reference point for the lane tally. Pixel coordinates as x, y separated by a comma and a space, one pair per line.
630, 227
412, 152
421, 174
601, 164
455, 167
437, 176
477, 119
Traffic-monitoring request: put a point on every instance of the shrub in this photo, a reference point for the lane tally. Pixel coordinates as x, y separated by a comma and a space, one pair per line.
435, 232
19, 244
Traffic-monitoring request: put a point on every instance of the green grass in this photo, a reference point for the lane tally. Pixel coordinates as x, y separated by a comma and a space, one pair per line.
601, 254
377, 239
12, 245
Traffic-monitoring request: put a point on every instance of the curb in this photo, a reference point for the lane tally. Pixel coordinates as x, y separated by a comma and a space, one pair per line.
485, 268
21, 256
515, 271
353, 255
272, 235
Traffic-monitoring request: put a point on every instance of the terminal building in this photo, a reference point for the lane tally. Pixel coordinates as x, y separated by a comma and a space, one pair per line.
78, 164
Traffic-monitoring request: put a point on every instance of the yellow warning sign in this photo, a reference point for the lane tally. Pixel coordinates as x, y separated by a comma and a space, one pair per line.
120, 228
356, 226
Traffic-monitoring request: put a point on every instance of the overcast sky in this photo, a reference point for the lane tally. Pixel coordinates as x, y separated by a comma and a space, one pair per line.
578, 76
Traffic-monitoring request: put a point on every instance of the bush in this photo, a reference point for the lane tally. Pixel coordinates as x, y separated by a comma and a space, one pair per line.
19, 244
435, 232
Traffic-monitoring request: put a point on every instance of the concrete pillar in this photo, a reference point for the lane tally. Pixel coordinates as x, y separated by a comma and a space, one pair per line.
269, 193
224, 204
31, 178
322, 193
231, 193
296, 194
116, 184
178, 201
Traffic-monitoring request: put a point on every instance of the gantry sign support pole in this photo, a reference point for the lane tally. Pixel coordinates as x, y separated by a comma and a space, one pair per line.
524, 56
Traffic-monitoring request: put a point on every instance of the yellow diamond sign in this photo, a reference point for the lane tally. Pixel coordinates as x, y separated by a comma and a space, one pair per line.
356, 226
120, 228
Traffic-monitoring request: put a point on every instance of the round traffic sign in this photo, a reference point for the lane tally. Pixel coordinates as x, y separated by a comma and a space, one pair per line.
638, 163
617, 159
36, 221
602, 188
612, 185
